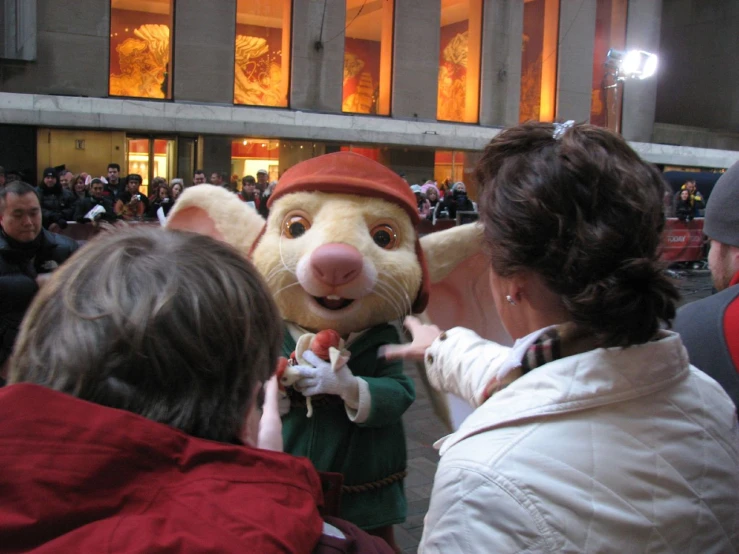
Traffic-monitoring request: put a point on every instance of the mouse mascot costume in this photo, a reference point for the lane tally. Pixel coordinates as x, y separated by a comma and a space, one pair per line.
340, 252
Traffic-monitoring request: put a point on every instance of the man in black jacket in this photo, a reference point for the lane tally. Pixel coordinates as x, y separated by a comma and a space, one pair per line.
57, 203
96, 198
28, 253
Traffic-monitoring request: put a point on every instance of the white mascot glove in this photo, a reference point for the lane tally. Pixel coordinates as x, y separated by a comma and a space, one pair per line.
321, 379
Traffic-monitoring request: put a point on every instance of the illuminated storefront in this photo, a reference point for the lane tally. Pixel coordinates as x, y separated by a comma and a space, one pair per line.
249, 155
262, 59
140, 48
539, 59
368, 52
610, 32
459, 61
151, 157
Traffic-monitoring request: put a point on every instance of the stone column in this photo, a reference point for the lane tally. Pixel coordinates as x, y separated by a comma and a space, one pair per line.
575, 63
204, 51
502, 35
318, 55
416, 59
640, 97
216, 152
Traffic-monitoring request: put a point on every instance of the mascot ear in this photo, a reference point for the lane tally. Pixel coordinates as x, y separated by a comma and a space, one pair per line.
460, 283
460, 297
213, 211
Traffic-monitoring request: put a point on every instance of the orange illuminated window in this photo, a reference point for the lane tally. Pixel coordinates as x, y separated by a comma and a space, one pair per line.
249, 156
610, 32
368, 53
539, 60
141, 48
459, 61
262, 64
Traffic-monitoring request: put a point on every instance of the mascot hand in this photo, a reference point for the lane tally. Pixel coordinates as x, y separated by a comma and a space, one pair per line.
322, 379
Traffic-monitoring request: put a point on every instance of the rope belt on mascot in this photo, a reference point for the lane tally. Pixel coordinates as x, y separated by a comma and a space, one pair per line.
375, 485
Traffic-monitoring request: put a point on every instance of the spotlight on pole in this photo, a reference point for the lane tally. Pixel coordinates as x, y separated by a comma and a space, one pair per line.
631, 64
620, 66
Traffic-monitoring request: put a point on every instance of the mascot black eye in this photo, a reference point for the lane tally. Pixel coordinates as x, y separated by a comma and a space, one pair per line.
295, 226
384, 236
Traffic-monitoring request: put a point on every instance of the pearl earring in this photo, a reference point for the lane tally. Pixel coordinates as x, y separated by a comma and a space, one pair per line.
510, 300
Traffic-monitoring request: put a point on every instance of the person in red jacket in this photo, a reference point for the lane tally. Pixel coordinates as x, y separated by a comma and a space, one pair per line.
131, 421
710, 327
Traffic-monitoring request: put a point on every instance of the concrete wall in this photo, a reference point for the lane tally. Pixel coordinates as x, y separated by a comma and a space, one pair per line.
204, 51
500, 87
416, 58
575, 59
666, 133
698, 81
72, 51
318, 55
640, 97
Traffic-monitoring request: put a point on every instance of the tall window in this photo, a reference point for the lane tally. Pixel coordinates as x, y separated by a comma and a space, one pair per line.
539, 59
262, 64
141, 48
459, 61
368, 56
610, 32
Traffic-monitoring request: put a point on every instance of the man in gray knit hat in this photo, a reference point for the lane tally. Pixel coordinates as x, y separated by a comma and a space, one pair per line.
710, 327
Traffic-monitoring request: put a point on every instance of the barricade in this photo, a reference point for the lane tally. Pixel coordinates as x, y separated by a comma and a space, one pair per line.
683, 241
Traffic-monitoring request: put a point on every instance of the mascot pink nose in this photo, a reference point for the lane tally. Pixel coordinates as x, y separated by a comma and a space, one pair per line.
336, 264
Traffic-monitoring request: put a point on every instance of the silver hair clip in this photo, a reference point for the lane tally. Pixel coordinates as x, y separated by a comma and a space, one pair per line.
560, 128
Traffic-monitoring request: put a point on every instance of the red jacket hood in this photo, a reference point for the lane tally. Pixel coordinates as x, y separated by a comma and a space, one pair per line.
79, 477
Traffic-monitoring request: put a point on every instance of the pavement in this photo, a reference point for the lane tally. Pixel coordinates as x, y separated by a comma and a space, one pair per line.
423, 428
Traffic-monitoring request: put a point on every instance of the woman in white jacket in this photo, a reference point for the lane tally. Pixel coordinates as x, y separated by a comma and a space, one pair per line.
593, 433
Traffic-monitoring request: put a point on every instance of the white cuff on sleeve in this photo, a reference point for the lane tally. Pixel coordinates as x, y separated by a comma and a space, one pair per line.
362, 412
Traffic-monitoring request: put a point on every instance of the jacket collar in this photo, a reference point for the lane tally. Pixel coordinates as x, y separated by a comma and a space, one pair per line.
596, 378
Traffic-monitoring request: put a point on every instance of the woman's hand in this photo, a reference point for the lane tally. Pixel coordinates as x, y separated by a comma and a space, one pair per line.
423, 336
265, 431
270, 424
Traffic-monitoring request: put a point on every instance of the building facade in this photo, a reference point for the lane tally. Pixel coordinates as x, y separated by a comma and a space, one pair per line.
163, 87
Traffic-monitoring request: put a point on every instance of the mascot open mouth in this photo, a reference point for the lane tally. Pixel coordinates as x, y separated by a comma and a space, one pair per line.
333, 302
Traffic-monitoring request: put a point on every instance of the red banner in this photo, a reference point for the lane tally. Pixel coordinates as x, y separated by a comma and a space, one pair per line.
682, 241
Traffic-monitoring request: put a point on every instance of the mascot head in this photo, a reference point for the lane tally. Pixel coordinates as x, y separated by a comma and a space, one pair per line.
340, 249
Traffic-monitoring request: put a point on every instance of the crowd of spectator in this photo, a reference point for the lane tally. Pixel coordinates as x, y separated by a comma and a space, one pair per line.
442, 201
66, 197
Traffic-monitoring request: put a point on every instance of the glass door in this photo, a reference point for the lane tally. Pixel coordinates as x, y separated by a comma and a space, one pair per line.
151, 157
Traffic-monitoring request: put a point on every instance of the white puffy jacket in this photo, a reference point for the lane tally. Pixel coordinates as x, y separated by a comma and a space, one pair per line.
615, 450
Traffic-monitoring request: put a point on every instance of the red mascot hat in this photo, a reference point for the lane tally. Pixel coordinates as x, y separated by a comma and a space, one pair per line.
350, 173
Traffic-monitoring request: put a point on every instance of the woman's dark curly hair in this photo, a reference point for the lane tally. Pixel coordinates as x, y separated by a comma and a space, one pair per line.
585, 213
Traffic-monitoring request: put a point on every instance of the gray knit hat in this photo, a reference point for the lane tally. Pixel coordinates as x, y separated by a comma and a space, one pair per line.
722, 210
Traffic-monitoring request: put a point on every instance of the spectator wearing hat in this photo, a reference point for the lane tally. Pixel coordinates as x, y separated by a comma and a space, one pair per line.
265, 190
457, 200
262, 180
710, 327
57, 203
132, 204
424, 207
96, 197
